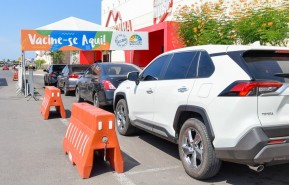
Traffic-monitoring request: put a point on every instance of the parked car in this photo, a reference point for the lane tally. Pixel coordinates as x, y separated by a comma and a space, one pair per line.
217, 102
69, 76
5, 67
99, 82
50, 77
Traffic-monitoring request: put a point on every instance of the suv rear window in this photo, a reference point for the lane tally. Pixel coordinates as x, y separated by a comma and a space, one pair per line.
58, 68
268, 65
78, 68
119, 69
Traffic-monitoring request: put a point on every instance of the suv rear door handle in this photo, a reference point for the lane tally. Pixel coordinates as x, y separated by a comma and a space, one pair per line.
150, 91
182, 89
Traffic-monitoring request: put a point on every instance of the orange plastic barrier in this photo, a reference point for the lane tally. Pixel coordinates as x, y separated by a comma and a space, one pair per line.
15, 76
91, 129
52, 97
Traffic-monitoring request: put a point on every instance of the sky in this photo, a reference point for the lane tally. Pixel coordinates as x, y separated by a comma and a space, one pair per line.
30, 14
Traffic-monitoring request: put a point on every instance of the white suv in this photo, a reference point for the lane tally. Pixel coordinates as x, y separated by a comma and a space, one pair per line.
218, 102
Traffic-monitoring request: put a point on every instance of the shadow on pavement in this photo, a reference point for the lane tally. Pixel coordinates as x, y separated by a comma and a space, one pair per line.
3, 82
53, 114
100, 166
238, 174
162, 144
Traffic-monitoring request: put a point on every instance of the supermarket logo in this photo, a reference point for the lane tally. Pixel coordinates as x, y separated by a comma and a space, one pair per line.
135, 40
121, 40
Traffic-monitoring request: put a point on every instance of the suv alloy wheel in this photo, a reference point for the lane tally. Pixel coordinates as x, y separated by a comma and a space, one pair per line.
196, 150
65, 91
77, 95
124, 126
96, 100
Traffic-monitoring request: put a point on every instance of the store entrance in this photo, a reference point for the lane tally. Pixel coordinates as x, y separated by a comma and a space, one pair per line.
156, 47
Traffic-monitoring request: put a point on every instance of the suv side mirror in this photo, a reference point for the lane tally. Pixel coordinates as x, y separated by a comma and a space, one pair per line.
133, 76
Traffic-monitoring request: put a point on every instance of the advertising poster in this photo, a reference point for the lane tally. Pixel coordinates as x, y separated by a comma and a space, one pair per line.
54, 40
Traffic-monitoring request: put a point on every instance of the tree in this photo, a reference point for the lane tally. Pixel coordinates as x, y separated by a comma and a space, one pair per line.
57, 56
232, 22
204, 24
39, 63
267, 25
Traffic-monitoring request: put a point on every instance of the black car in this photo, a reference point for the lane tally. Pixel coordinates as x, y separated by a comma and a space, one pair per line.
100, 80
50, 78
69, 77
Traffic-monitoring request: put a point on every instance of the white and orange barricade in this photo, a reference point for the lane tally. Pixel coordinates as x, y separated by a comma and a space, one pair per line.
91, 129
52, 97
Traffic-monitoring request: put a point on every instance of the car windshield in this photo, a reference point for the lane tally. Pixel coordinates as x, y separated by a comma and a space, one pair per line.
79, 69
58, 68
119, 69
272, 65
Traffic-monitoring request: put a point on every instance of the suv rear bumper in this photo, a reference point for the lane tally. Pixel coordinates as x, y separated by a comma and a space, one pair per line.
254, 149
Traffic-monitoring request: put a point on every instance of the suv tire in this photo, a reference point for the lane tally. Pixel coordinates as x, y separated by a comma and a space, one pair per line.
96, 100
65, 90
196, 151
77, 95
45, 84
123, 124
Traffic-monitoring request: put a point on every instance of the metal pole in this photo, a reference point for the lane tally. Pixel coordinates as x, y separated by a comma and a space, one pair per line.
24, 74
31, 84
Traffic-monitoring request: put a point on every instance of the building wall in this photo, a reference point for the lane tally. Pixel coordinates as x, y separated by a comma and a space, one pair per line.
89, 57
140, 13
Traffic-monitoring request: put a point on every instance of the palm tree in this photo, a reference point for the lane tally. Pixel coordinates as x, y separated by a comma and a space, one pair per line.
57, 56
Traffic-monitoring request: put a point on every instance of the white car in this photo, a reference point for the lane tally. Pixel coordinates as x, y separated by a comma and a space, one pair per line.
218, 102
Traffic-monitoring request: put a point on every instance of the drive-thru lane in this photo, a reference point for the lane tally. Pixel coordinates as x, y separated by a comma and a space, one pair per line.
31, 150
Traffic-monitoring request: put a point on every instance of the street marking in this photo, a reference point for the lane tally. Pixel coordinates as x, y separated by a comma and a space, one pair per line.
123, 179
153, 170
64, 121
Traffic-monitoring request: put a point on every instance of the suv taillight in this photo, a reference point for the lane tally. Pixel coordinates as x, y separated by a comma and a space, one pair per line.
73, 76
251, 88
53, 75
108, 85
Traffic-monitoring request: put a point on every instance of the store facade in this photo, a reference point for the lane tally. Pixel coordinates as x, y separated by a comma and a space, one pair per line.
153, 16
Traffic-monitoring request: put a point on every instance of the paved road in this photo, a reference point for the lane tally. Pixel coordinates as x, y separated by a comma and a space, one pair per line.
31, 151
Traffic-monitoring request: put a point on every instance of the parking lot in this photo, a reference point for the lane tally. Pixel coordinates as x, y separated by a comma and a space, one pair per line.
31, 150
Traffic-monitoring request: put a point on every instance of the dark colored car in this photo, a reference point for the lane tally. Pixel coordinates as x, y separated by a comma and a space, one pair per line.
100, 80
69, 76
50, 78
5, 67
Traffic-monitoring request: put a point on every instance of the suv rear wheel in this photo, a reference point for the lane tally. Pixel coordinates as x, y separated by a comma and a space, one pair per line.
124, 126
96, 100
65, 90
77, 95
196, 150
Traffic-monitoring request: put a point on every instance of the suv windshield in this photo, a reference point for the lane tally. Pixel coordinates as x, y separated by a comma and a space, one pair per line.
268, 65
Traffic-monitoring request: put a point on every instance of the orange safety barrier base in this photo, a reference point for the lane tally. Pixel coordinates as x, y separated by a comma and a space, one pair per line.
15, 76
91, 129
52, 97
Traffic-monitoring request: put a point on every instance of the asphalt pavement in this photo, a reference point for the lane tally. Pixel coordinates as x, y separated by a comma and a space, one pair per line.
31, 151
